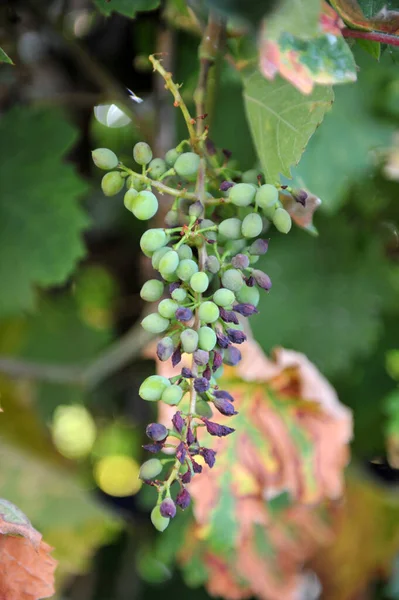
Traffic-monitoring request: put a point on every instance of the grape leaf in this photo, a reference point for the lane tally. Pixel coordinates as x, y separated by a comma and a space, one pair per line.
338, 302
282, 121
129, 8
342, 150
4, 58
14, 522
289, 448
325, 58
366, 527
300, 18
369, 14
40, 218
249, 11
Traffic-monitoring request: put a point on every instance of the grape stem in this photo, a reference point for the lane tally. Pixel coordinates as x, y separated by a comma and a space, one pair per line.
174, 89
161, 187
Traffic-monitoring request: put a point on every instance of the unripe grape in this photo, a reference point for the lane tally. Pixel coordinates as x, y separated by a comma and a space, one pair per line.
104, 159
129, 197
169, 263
172, 218
259, 247
152, 240
242, 194
195, 209
156, 432
154, 323
223, 297
212, 265
160, 523
253, 260
142, 153
208, 312
158, 254
248, 295
179, 295
282, 220
203, 408
206, 338
165, 348
136, 183
167, 308
232, 280
250, 176
199, 282
184, 252
112, 183
266, 196
157, 168
230, 228
153, 387
210, 235
252, 225
152, 290
170, 278
189, 340
187, 165
150, 469
186, 269
171, 157
172, 395
144, 205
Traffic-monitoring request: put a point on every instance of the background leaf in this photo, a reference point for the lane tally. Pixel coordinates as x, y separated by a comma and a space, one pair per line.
129, 8
282, 121
41, 221
4, 58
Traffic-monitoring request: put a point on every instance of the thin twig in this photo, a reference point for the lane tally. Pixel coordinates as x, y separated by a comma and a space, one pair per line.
374, 36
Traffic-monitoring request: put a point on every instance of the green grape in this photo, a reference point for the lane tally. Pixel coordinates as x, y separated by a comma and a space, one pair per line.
154, 323
269, 212
186, 269
248, 295
230, 228
199, 282
160, 523
142, 153
210, 235
179, 294
242, 194
282, 220
208, 312
203, 408
171, 157
266, 196
172, 218
184, 252
153, 387
112, 183
167, 308
144, 205
136, 183
252, 225
250, 176
187, 165
150, 469
232, 280
223, 297
152, 240
206, 338
212, 265
218, 373
170, 278
152, 290
129, 197
158, 254
253, 260
172, 395
169, 263
157, 168
104, 159
189, 340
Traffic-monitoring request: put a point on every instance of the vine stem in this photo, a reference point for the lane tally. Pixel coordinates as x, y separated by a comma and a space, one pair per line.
174, 89
374, 36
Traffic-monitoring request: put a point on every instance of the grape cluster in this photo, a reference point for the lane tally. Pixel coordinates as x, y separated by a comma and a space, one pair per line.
208, 282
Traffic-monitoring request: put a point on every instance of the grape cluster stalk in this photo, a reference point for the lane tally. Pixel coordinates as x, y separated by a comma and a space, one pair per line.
205, 257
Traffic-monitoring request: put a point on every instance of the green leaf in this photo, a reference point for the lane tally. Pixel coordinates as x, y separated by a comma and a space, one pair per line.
371, 47
129, 8
248, 11
4, 58
41, 221
282, 121
299, 18
341, 151
338, 302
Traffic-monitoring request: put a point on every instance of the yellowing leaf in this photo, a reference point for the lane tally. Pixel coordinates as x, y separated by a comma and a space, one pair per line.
353, 12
